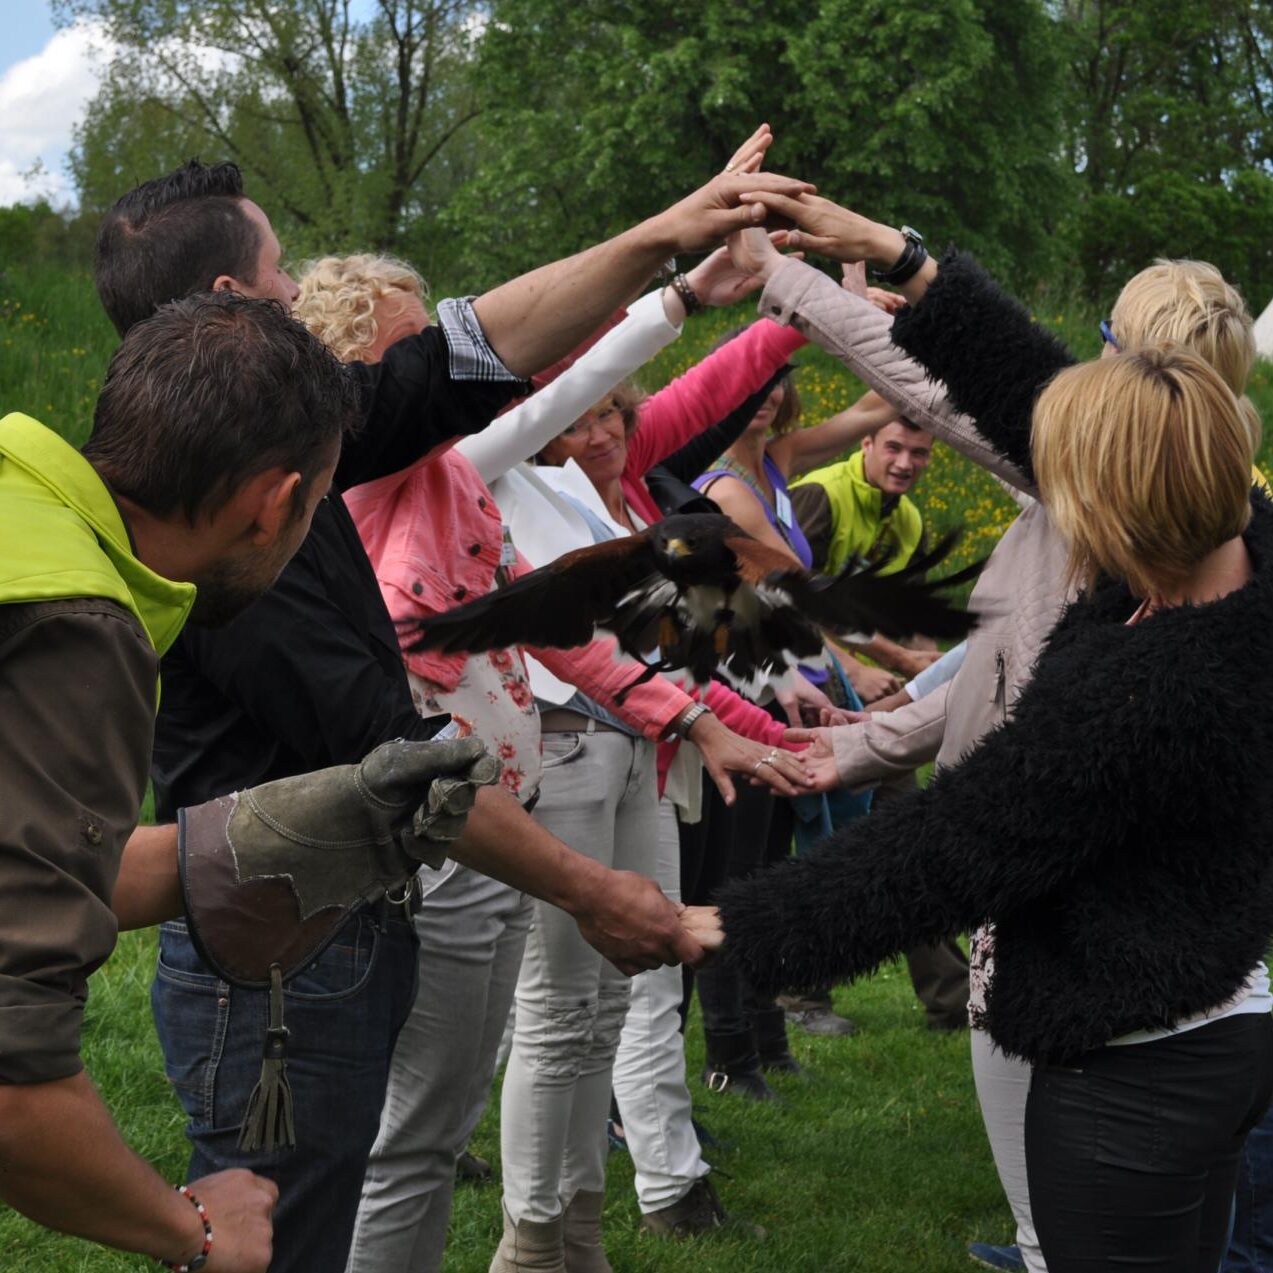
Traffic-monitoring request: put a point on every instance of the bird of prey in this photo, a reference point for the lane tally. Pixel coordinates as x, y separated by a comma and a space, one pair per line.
705, 594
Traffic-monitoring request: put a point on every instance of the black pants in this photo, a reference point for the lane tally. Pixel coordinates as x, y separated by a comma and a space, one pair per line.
1132, 1155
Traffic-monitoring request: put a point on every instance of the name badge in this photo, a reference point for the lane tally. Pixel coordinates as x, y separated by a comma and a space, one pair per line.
782, 504
507, 553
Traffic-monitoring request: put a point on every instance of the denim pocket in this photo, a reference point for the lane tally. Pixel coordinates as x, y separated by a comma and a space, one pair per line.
560, 748
343, 968
179, 961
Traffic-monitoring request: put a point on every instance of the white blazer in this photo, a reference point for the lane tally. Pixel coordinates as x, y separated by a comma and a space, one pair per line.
544, 525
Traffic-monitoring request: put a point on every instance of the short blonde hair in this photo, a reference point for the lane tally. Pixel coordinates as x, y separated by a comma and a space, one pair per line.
1144, 462
1189, 303
339, 294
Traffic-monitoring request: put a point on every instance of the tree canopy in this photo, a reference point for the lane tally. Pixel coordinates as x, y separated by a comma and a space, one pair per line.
1067, 142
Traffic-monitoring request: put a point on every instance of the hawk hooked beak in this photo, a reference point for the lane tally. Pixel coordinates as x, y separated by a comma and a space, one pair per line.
678, 548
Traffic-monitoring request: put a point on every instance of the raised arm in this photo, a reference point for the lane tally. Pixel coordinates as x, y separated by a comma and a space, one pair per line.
537, 318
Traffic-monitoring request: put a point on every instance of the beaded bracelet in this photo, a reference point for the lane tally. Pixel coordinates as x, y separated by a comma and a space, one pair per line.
689, 297
196, 1261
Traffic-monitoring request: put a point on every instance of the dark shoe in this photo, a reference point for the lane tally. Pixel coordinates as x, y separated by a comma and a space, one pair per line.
749, 1083
471, 1168
733, 1065
997, 1257
699, 1211
822, 1021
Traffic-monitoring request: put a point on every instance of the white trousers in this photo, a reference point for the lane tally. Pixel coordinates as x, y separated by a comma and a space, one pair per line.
1003, 1084
599, 795
649, 1072
472, 931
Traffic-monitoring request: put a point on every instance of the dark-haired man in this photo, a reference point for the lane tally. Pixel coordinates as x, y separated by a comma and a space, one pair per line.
312, 676
189, 478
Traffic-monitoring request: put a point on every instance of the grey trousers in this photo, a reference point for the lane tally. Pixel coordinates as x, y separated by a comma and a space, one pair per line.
472, 931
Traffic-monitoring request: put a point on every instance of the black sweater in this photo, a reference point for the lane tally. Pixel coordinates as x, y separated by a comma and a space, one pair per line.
1116, 831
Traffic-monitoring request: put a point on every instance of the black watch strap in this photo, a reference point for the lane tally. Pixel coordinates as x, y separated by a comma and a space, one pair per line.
913, 256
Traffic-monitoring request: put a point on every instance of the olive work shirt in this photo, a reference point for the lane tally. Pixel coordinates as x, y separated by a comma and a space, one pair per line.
77, 698
311, 674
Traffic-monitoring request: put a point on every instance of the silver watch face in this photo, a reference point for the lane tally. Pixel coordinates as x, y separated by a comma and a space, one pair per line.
909, 232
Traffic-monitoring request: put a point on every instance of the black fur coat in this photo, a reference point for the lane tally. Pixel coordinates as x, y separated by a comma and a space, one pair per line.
1118, 831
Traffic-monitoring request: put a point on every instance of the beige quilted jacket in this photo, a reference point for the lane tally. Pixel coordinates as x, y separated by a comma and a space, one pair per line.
1021, 591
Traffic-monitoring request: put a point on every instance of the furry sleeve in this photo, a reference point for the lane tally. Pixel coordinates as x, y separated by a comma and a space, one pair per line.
1031, 806
993, 359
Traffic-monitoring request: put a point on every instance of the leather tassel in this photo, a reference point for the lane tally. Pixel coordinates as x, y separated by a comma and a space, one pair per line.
268, 1123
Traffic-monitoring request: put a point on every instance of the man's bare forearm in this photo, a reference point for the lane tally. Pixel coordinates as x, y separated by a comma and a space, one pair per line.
64, 1164
148, 890
503, 841
540, 317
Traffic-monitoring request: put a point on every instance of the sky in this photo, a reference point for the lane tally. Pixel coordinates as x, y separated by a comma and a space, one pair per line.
46, 79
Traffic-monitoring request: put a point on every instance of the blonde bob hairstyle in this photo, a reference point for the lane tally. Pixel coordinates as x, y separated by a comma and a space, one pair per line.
1189, 303
339, 294
1144, 462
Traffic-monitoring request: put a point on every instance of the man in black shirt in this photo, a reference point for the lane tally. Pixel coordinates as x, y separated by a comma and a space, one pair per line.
311, 676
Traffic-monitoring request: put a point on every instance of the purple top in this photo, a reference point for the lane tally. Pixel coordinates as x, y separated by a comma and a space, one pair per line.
790, 533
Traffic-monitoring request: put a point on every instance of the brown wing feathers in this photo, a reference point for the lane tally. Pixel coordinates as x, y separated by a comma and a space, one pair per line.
558, 605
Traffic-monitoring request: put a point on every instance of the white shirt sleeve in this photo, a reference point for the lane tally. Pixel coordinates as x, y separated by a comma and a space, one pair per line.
937, 673
524, 431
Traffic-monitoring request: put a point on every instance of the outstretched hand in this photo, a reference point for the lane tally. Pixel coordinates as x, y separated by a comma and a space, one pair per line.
751, 154
725, 752
703, 219
634, 925
854, 280
819, 758
825, 227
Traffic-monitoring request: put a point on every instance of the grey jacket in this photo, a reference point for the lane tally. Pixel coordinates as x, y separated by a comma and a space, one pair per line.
1022, 590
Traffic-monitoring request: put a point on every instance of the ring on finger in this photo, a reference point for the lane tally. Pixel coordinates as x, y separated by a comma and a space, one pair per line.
764, 760
729, 167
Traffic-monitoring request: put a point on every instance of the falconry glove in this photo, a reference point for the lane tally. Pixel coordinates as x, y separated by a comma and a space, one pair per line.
270, 874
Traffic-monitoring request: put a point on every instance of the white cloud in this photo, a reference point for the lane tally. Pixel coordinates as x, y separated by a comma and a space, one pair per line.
41, 99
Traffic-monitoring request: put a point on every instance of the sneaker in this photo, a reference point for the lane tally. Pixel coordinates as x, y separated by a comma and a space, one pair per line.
997, 1257
615, 1138
471, 1168
699, 1211
821, 1021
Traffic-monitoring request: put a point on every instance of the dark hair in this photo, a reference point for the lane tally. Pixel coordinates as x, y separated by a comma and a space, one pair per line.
787, 417
172, 237
210, 391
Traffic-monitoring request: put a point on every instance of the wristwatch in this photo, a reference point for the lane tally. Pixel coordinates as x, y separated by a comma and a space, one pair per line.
687, 721
914, 254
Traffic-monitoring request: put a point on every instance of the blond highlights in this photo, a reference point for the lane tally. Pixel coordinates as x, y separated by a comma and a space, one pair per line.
1144, 462
339, 294
1189, 303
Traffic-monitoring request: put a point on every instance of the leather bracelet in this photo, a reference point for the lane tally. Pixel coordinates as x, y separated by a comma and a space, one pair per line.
908, 264
687, 721
195, 1262
689, 298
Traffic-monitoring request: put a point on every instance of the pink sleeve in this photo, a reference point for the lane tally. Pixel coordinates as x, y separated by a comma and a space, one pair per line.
601, 670
743, 717
708, 392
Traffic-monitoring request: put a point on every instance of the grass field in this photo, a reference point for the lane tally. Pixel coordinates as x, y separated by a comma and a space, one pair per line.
878, 1165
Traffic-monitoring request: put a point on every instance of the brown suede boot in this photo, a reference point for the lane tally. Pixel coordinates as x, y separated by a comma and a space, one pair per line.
581, 1234
530, 1246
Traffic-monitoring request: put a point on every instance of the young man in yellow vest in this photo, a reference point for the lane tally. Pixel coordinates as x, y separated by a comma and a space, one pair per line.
859, 508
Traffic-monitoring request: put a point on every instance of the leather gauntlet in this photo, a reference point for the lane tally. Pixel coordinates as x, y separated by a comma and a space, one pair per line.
270, 874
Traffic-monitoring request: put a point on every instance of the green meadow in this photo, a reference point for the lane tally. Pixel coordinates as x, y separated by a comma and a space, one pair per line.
878, 1163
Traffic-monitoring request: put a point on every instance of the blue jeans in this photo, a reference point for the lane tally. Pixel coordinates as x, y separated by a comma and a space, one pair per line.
343, 1014
1251, 1246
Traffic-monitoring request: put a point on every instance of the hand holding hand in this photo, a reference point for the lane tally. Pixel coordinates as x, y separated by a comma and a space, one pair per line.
633, 924
819, 758
913, 662
705, 218
725, 752
871, 682
825, 227
704, 926
240, 1206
